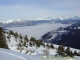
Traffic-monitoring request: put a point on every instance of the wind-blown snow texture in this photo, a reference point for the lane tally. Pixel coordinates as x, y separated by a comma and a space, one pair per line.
37, 31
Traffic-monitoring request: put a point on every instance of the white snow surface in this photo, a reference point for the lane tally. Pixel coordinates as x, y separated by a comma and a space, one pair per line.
37, 31
13, 55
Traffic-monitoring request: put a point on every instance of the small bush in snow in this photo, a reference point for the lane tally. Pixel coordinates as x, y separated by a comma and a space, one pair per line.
46, 52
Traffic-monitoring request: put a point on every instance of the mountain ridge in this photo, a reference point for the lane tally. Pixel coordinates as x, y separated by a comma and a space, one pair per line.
50, 20
69, 36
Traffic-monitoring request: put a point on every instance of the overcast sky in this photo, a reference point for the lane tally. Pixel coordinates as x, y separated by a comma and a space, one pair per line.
31, 9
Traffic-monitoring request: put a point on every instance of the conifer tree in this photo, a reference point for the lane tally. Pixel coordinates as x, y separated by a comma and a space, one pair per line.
16, 35
24, 43
37, 43
11, 32
3, 43
71, 54
32, 39
19, 44
20, 36
8, 38
67, 51
51, 46
30, 44
21, 41
26, 38
75, 53
61, 50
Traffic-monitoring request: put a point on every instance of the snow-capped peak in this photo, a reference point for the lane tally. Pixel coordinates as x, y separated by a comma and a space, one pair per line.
61, 18
48, 18
11, 21
38, 19
7, 21
19, 20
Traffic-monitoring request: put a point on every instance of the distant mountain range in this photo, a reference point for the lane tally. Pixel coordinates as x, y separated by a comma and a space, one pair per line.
69, 36
31, 22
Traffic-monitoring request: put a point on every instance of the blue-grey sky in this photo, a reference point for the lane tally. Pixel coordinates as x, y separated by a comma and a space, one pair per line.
31, 9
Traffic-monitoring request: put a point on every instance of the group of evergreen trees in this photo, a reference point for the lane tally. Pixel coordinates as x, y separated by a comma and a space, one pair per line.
25, 41
66, 52
22, 40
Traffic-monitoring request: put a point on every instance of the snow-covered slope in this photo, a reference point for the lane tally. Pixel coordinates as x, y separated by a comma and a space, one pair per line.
6, 55
69, 36
38, 53
12, 55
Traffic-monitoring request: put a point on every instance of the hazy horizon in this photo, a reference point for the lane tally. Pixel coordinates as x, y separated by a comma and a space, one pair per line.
32, 9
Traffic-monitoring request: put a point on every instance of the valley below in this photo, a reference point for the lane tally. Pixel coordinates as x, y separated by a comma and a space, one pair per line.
37, 31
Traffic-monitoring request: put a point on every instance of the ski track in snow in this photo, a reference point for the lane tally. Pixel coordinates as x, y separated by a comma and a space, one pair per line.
13, 55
